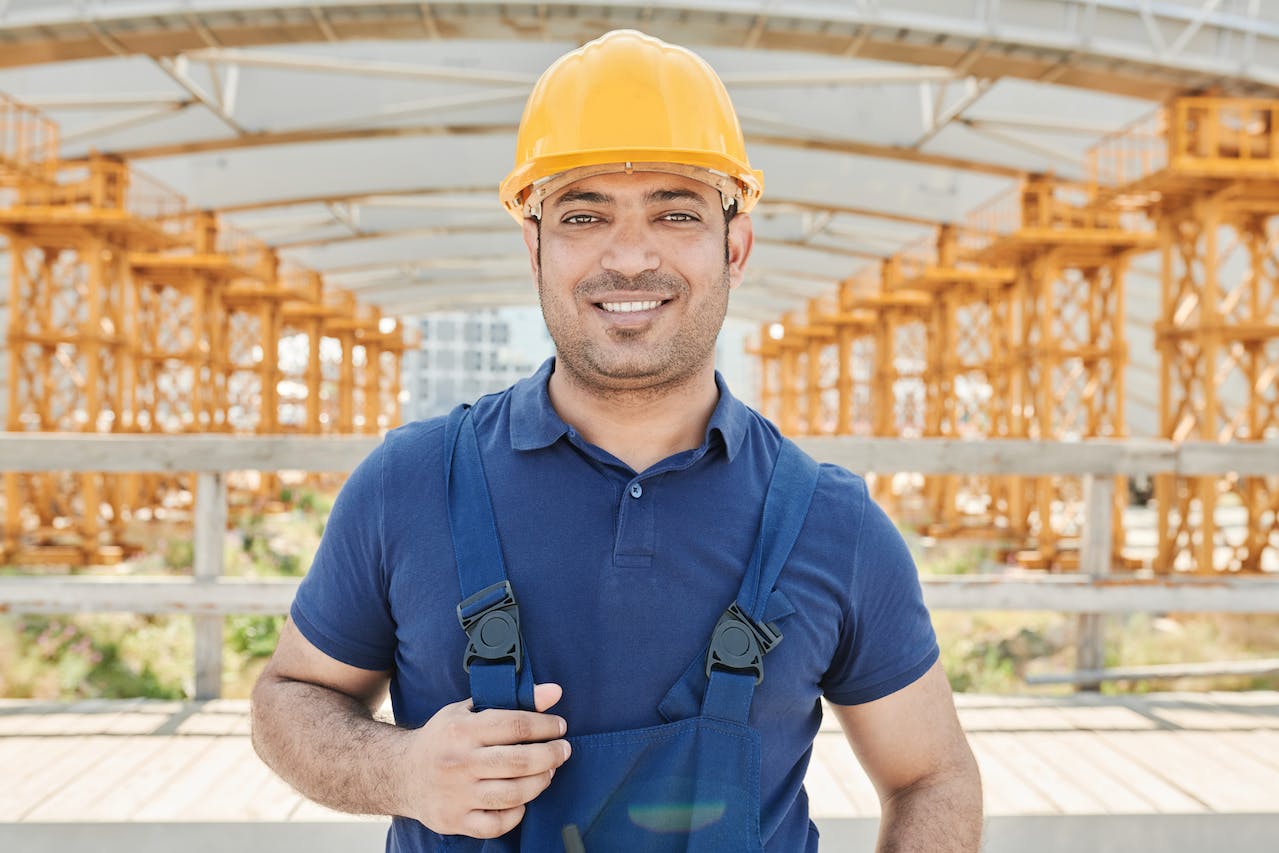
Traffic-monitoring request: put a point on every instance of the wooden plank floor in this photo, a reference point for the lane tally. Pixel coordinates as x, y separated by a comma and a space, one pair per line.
143, 762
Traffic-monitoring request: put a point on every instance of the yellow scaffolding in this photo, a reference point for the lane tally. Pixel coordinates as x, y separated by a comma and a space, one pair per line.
1011, 326
1207, 170
72, 338
1036, 279
1070, 249
130, 312
969, 341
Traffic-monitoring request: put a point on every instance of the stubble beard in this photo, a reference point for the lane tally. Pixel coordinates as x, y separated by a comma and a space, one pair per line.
652, 370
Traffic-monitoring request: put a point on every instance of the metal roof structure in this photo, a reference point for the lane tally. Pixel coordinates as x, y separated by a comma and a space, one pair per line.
366, 139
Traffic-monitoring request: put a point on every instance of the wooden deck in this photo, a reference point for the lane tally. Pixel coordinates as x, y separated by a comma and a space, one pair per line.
1165, 772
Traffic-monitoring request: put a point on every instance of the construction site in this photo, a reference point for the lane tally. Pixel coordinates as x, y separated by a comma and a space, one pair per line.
134, 308
1017, 263
1012, 324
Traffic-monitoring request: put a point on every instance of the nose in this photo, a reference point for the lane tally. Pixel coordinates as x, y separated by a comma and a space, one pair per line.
631, 250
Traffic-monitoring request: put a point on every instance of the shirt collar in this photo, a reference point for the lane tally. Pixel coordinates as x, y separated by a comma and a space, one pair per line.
535, 424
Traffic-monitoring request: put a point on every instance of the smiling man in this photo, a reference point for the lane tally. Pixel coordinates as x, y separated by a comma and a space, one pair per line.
617, 538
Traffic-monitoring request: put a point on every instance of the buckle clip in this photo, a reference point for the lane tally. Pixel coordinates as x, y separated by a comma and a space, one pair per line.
739, 643
491, 620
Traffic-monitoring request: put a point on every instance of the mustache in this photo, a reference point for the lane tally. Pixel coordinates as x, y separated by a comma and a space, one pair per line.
646, 282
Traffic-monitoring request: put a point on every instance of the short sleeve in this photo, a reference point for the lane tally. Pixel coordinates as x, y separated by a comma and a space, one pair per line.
887, 641
341, 606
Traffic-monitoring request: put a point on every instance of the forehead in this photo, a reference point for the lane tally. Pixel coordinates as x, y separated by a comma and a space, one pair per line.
616, 187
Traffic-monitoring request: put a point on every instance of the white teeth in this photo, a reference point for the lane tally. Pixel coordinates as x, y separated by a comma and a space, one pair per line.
626, 307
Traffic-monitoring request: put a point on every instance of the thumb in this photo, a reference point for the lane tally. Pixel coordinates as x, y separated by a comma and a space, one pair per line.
546, 695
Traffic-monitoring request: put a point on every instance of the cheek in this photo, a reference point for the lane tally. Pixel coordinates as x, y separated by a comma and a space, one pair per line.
702, 252
562, 260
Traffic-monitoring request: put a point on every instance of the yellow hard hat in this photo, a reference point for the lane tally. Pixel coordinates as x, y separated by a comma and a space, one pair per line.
628, 101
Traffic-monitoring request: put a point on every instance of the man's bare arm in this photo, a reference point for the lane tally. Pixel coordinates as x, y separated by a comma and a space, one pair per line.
912, 747
461, 773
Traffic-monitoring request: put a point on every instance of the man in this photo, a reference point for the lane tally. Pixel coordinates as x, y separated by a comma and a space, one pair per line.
594, 522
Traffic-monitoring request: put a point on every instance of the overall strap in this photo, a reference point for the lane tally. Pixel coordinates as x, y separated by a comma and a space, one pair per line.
742, 636
735, 658
498, 663
790, 493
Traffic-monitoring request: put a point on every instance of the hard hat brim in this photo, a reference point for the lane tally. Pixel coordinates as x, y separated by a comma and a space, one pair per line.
527, 187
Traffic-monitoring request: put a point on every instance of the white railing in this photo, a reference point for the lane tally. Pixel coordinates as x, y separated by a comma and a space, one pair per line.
208, 596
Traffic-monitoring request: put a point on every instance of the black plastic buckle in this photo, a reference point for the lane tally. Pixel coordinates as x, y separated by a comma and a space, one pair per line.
739, 643
493, 632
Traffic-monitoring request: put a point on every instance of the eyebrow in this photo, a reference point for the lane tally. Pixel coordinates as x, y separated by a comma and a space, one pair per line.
587, 196
676, 195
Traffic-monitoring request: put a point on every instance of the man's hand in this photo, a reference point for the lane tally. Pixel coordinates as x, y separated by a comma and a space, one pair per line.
461, 773
471, 773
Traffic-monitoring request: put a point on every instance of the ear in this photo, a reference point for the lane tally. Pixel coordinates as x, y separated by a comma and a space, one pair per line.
531, 241
741, 239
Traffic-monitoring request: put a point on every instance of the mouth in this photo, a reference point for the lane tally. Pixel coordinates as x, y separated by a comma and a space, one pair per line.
631, 307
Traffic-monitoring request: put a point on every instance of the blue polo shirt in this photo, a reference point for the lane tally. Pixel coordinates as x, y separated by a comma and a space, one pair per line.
621, 576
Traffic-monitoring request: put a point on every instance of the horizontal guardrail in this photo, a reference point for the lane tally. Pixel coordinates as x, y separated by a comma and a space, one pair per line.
139, 453
1023, 457
209, 596
21, 451
1058, 593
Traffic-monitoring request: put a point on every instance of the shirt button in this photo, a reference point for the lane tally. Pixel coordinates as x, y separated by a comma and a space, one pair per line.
636, 490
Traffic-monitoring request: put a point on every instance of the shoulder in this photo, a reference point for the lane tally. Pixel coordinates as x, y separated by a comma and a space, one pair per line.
840, 489
416, 448
846, 524
837, 517
408, 452
413, 439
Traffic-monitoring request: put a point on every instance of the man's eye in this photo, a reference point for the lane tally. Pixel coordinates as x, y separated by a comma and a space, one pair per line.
580, 219
680, 217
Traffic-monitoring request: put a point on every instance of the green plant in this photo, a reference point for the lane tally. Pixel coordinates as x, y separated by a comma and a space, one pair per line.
179, 554
83, 657
989, 652
955, 558
254, 636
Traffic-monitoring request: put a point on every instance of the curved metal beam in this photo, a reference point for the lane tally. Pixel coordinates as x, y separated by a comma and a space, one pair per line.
1131, 58
785, 205
860, 254
507, 227
363, 197
260, 139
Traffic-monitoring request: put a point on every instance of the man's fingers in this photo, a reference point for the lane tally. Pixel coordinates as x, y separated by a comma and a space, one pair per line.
491, 824
496, 727
481, 768
456, 708
511, 762
546, 695
501, 794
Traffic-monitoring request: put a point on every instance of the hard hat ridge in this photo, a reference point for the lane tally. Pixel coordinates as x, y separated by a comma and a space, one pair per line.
628, 101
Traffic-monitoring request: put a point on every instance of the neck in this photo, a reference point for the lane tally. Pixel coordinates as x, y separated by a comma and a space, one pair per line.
641, 427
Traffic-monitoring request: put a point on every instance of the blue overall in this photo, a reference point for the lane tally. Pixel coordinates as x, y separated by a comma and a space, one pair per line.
690, 784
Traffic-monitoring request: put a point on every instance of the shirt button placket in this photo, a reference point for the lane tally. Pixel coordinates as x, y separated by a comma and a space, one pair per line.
635, 518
